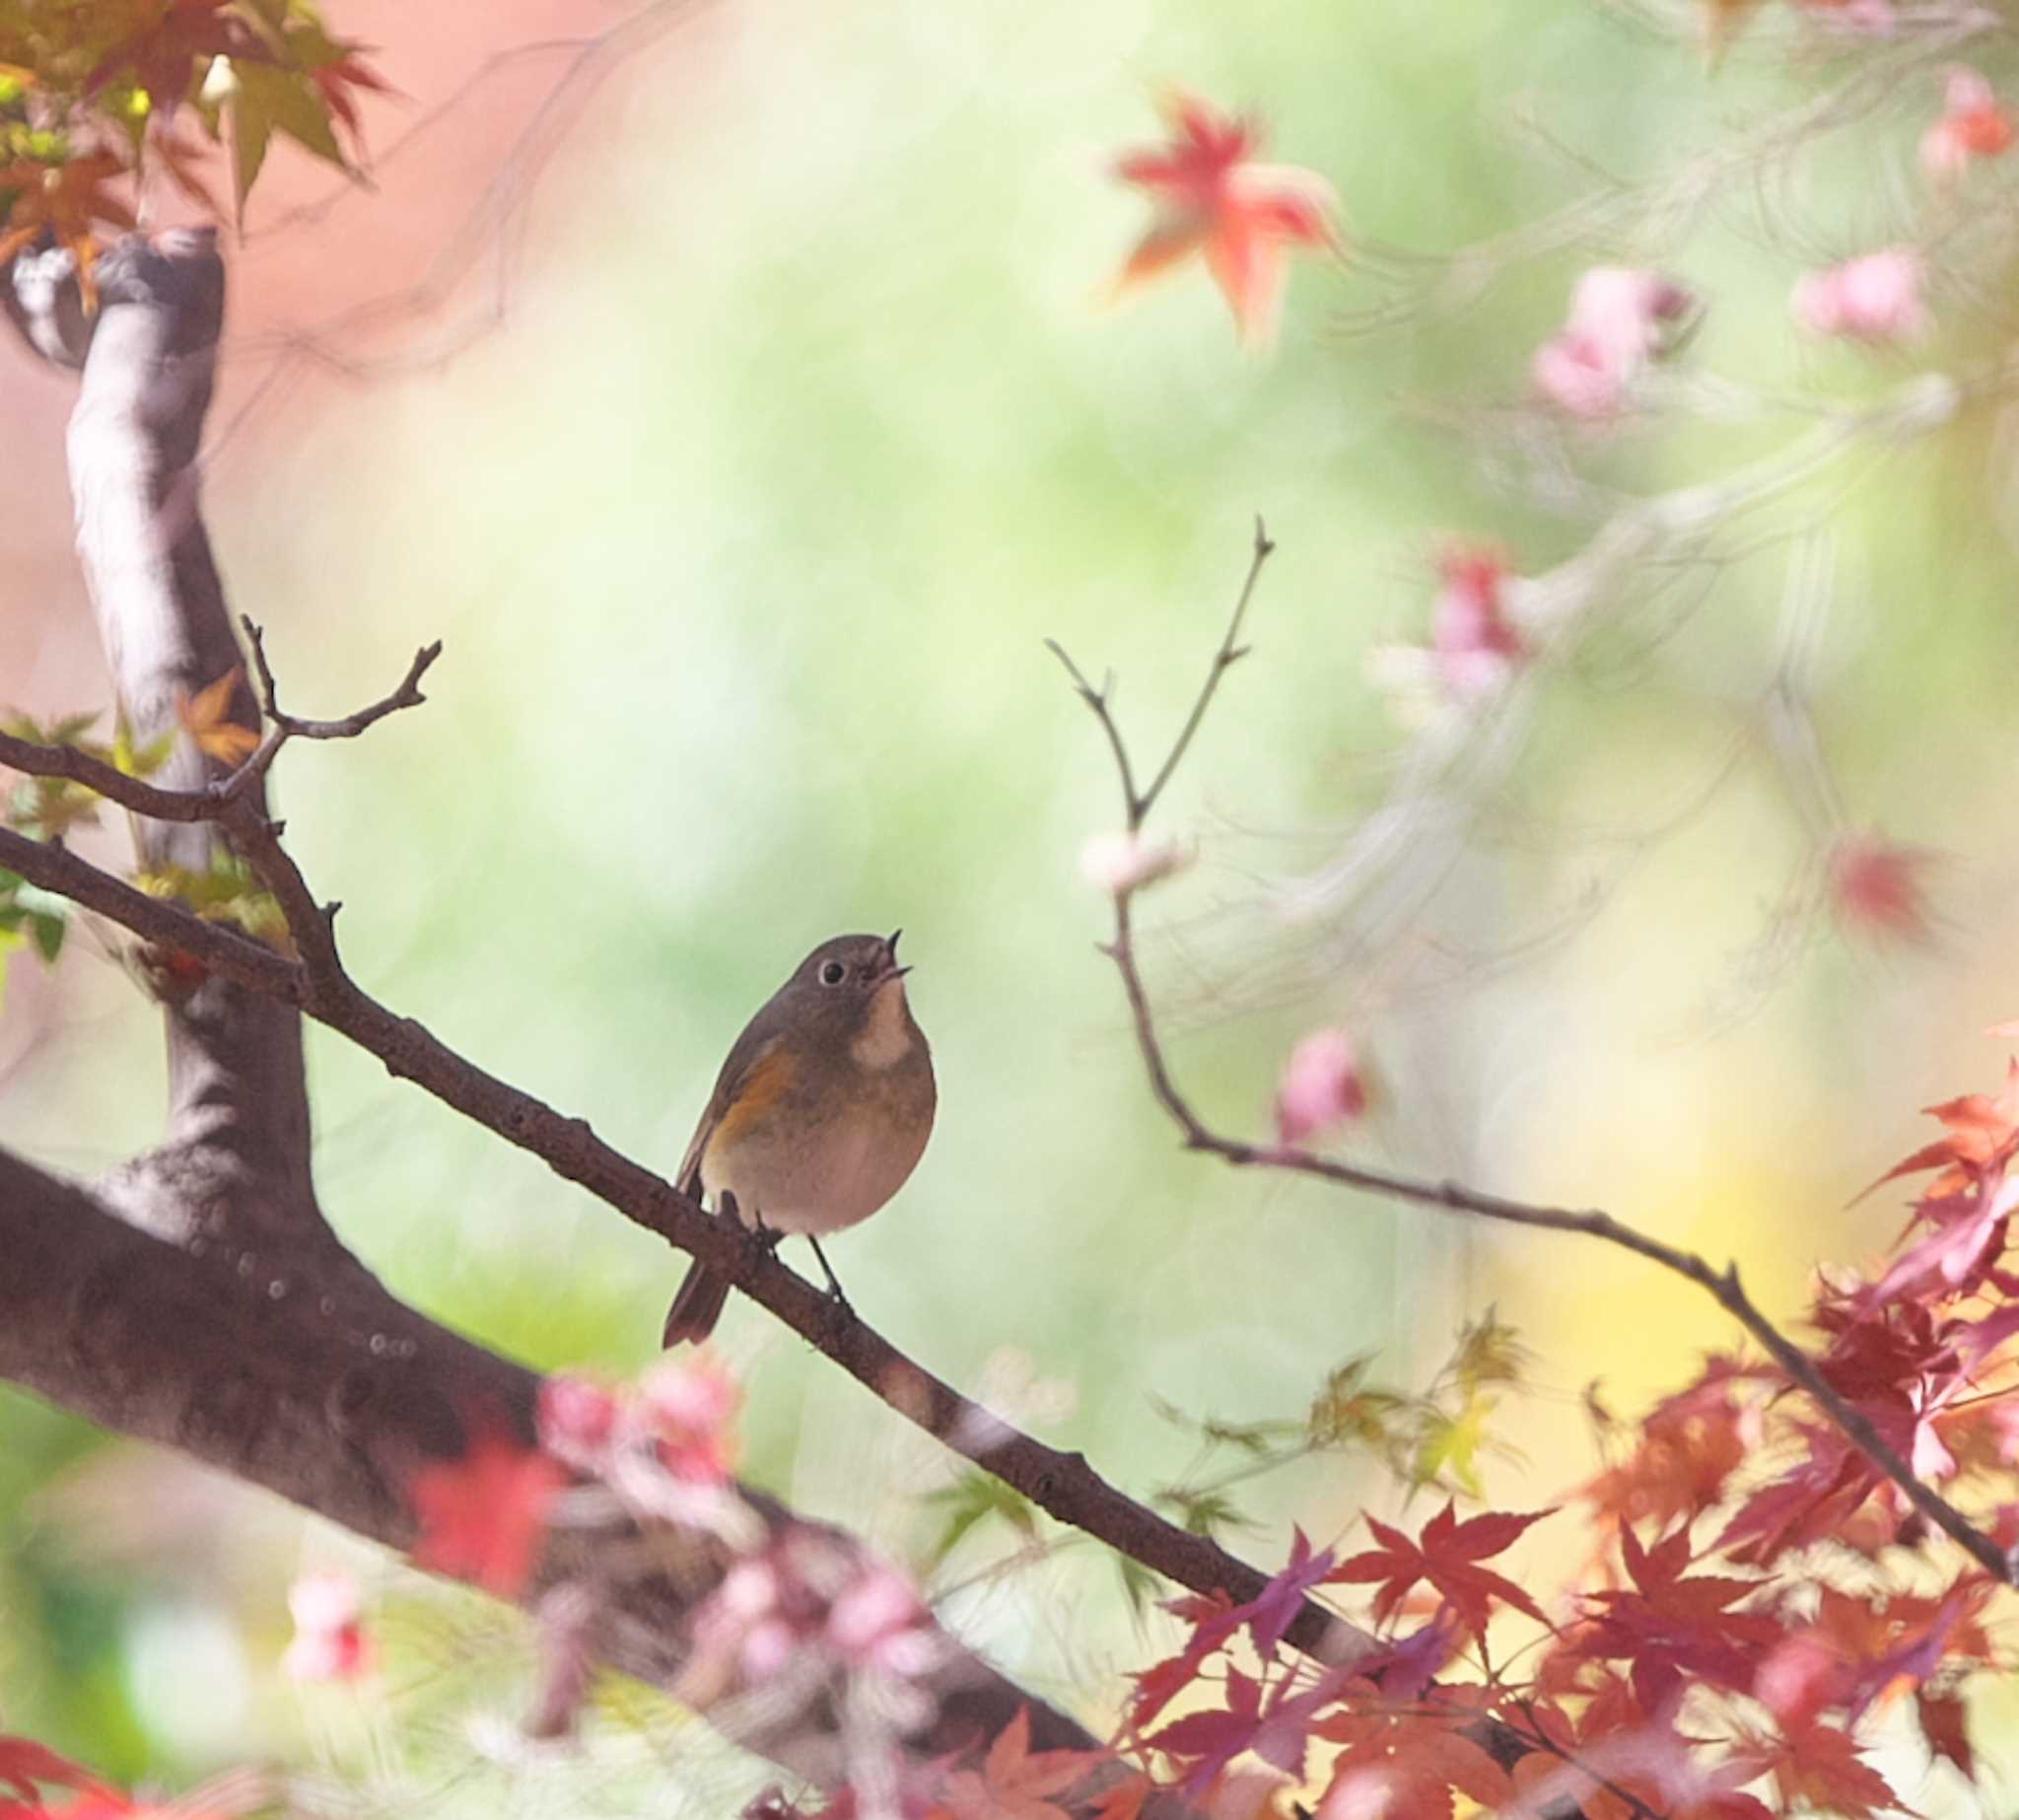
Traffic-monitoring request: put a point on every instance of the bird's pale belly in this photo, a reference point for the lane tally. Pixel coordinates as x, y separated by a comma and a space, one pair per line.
816, 1181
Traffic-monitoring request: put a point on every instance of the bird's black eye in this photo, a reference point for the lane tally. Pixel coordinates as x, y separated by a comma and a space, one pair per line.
832, 973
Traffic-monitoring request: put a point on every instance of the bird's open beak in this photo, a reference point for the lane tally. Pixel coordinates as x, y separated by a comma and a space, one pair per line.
891, 970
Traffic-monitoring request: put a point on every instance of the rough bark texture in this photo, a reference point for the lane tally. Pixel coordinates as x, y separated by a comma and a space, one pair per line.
326, 1389
233, 1164
197, 1298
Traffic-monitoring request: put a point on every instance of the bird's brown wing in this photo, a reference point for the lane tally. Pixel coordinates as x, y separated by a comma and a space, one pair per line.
758, 1069
756, 1073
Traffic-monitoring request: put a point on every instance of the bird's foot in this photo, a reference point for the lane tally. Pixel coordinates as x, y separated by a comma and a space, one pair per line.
843, 1307
764, 1238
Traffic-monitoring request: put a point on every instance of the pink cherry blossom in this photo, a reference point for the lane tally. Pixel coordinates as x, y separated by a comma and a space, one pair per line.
329, 1641
1474, 644
1619, 320
689, 1403
576, 1418
1874, 299
879, 1622
1321, 1087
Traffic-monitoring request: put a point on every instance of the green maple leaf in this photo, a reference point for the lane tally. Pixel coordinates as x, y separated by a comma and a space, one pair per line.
1140, 1585
29, 914
1448, 1445
1203, 1513
49, 807
261, 100
1489, 1352
230, 893
143, 760
1348, 1412
970, 1499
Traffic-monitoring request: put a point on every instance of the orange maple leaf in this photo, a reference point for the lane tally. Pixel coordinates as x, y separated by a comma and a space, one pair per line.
1212, 199
1823, 1768
1409, 1764
66, 201
207, 716
1983, 1131
1013, 1782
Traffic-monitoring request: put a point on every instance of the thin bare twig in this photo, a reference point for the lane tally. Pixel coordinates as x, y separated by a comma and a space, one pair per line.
407, 695
214, 801
1136, 804
1454, 1198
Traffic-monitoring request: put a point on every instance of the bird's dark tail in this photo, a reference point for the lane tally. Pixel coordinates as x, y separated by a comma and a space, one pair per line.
698, 1305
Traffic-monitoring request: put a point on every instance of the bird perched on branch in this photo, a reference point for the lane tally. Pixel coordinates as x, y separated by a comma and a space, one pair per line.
819, 1114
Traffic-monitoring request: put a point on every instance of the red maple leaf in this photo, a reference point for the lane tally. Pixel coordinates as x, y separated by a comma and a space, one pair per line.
24, 1763
1446, 1559
1821, 1767
1687, 1448
482, 1516
1672, 1629
1277, 1728
1859, 1650
1983, 1131
1212, 199
1213, 1618
177, 40
1942, 1724
1647, 1759
1807, 1500
1273, 1610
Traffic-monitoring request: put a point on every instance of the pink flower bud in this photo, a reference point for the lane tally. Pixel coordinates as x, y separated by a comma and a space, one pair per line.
1619, 320
879, 1604
1874, 299
688, 1402
1476, 647
1321, 1087
768, 1651
329, 1641
576, 1416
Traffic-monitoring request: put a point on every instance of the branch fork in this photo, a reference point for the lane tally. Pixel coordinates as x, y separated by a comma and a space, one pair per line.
1449, 1196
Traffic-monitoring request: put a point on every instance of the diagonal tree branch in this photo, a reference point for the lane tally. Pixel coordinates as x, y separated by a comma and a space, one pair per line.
1062, 1484
1451, 1197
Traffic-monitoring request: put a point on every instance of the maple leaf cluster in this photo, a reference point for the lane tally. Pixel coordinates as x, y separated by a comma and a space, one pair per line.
90, 94
51, 807
1761, 1595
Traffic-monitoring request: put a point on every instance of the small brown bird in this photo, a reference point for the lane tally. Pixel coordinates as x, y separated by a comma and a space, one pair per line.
819, 1114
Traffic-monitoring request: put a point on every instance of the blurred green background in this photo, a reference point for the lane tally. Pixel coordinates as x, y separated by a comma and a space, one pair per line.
800, 426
